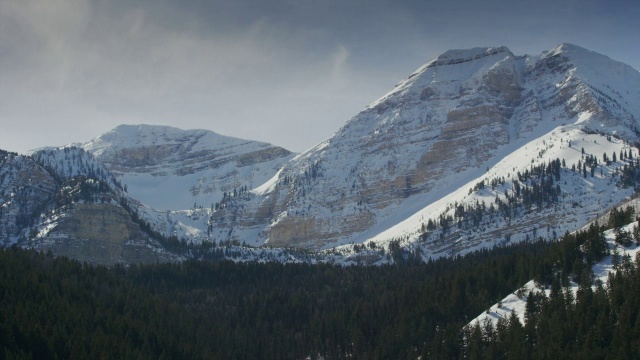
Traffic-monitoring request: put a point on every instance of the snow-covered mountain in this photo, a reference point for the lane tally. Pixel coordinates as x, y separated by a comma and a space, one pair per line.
477, 147
172, 169
130, 195
64, 201
431, 146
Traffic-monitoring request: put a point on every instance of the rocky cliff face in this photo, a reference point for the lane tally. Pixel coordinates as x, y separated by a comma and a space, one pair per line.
64, 201
443, 126
25, 188
100, 234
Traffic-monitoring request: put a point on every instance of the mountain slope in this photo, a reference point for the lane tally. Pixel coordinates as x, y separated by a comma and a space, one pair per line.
436, 133
516, 302
185, 166
64, 201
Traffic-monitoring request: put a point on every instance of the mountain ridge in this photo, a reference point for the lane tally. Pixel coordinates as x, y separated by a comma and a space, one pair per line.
440, 108
453, 139
206, 163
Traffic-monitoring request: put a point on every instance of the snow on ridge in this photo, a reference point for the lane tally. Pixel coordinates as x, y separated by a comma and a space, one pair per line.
269, 185
453, 65
461, 55
517, 300
566, 48
126, 136
609, 78
552, 145
581, 56
613, 78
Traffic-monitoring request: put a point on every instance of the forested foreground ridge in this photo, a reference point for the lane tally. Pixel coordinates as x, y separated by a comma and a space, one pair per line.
595, 323
53, 307
584, 307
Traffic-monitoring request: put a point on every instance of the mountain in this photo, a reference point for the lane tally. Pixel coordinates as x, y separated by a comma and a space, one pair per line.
185, 166
179, 176
100, 202
428, 151
477, 148
62, 200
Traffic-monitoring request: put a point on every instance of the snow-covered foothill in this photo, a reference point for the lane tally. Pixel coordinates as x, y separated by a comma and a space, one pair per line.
516, 302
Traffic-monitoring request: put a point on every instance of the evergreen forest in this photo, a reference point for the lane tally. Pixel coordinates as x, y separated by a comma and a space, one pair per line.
57, 308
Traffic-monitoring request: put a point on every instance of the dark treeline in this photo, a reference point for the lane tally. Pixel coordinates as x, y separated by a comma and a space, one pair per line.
59, 308
597, 322
600, 323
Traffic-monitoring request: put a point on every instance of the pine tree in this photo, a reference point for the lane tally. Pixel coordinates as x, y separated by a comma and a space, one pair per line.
516, 338
615, 258
622, 237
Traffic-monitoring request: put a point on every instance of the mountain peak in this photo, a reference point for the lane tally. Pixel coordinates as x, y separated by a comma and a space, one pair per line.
476, 52
457, 56
569, 50
141, 133
186, 166
582, 57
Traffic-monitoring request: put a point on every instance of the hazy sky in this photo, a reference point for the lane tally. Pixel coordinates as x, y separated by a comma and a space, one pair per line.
289, 72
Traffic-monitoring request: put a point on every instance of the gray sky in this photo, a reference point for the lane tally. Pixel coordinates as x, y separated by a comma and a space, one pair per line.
289, 72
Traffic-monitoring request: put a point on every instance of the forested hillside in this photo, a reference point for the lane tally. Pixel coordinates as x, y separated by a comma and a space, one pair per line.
585, 306
60, 308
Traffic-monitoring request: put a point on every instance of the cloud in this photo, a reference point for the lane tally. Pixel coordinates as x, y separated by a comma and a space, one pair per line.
340, 58
82, 67
288, 72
